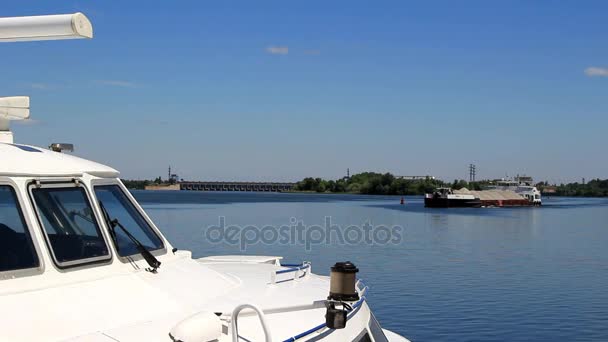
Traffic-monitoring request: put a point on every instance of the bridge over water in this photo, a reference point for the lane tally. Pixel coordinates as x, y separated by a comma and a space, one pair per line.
236, 186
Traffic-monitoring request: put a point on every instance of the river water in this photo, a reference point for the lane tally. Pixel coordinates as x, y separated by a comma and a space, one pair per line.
478, 274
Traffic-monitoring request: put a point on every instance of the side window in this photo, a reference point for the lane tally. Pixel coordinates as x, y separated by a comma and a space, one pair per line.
16, 248
119, 207
70, 226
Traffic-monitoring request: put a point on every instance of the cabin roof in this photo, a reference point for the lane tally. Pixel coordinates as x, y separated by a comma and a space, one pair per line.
26, 160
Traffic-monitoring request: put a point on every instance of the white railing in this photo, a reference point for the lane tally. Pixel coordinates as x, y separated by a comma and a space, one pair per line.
235, 316
305, 269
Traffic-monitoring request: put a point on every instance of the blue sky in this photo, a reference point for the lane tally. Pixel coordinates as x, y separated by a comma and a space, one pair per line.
281, 90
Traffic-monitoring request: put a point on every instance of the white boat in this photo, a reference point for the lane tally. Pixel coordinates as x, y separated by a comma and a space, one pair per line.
521, 185
80, 260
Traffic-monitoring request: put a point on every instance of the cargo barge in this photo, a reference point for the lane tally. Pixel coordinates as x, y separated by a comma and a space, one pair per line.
504, 193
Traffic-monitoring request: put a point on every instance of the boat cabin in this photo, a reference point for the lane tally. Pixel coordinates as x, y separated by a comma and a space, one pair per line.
80, 260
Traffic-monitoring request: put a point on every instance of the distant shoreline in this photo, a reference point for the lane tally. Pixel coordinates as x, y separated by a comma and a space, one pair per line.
372, 183
343, 193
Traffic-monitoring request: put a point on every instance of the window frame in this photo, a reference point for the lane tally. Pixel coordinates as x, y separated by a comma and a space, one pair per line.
20, 204
76, 183
136, 256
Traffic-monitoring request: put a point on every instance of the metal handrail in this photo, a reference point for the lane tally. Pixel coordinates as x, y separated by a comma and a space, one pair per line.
234, 324
293, 268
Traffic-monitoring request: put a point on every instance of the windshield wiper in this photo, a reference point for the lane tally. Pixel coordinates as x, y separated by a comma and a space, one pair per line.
145, 253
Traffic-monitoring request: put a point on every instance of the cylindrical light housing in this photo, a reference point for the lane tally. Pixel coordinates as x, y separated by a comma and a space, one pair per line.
342, 283
45, 27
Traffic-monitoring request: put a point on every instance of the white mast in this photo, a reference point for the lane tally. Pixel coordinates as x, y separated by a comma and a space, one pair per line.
43, 27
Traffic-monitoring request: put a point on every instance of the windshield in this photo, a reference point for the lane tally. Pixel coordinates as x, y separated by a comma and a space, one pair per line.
16, 248
71, 228
119, 207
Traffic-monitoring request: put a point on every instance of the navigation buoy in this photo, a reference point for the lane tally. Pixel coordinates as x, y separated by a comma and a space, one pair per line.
402, 201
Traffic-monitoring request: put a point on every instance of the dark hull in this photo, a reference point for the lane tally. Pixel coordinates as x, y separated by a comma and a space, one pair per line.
451, 203
508, 203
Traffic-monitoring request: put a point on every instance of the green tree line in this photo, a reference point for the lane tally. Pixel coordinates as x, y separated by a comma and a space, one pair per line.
137, 184
371, 183
593, 188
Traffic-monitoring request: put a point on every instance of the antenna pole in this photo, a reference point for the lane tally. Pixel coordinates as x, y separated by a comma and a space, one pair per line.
472, 172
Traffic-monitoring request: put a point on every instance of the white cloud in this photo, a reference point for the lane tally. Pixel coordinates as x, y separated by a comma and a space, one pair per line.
313, 52
596, 71
117, 83
278, 50
27, 122
40, 86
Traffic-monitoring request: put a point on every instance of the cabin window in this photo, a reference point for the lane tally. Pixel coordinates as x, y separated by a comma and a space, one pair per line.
119, 207
16, 247
71, 229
